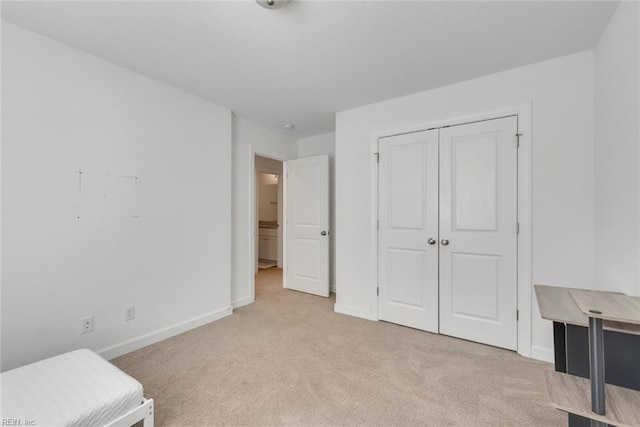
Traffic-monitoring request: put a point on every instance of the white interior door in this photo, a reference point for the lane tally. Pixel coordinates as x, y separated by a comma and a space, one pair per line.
478, 232
306, 200
408, 215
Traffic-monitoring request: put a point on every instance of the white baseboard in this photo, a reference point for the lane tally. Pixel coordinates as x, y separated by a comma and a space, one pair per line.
162, 334
241, 302
542, 353
352, 311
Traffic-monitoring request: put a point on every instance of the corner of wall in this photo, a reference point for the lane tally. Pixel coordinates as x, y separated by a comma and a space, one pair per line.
616, 152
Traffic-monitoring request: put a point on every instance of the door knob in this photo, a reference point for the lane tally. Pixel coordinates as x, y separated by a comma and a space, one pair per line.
323, 233
444, 242
431, 241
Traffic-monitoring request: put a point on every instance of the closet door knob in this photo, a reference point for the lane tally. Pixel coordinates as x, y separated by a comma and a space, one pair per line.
444, 242
323, 233
431, 241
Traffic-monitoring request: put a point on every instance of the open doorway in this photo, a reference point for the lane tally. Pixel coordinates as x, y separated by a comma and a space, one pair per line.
268, 223
268, 214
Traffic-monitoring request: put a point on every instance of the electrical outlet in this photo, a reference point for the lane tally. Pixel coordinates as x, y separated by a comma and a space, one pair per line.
129, 313
87, 325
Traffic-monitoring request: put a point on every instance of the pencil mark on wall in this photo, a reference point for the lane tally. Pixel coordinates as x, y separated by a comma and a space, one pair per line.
134, 202
135, 181
126, 200
80, 172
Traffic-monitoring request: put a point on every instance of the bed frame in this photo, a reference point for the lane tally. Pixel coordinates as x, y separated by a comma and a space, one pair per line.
143, 413
17, 383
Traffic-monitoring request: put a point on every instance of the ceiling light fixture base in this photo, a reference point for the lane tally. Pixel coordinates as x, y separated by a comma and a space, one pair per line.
272, 4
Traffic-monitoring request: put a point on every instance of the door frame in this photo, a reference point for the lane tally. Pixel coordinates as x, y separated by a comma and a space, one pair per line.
525, 286
253, 225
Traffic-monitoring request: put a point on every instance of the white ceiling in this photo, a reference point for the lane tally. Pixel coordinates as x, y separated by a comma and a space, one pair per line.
310, 59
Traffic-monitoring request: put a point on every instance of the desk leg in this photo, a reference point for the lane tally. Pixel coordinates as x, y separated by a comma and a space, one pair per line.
596, 362
577, 340
560, 347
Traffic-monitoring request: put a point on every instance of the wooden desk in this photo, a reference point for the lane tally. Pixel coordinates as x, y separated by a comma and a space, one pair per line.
571, 341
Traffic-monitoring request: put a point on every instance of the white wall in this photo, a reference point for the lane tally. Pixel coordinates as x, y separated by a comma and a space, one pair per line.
314, 146
64, 110
617, 142
561, 94
249, 139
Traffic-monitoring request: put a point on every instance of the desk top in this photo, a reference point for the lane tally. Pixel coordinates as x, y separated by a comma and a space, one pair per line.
557, 304
607, 306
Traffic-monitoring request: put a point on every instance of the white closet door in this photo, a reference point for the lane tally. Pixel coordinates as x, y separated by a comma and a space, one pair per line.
478, 232
307, 225
408, 214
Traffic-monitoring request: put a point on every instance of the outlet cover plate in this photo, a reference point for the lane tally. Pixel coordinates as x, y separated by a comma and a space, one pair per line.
129, 313
87, 325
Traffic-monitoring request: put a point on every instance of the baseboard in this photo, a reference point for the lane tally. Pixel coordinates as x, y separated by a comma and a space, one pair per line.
542, 353
162, 334
352, 311
241, 302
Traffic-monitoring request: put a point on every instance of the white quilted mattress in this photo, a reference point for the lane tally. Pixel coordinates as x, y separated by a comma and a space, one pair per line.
78, 388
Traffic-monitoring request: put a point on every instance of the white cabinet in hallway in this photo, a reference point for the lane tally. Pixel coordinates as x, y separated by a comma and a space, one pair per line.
268, 244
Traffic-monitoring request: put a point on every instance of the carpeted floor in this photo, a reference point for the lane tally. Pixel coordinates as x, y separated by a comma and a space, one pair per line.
288, 359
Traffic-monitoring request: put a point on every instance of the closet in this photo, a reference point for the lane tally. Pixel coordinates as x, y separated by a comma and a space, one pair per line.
448, 230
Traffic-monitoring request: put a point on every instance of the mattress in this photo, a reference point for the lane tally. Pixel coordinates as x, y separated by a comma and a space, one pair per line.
79, 388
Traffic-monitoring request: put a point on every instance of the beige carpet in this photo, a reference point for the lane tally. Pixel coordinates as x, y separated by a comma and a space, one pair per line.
288, 359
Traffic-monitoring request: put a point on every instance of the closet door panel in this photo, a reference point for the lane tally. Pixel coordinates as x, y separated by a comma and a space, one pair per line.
478, 232
408, 215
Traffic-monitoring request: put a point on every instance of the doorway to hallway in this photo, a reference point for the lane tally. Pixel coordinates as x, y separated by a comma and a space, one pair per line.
268, 204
